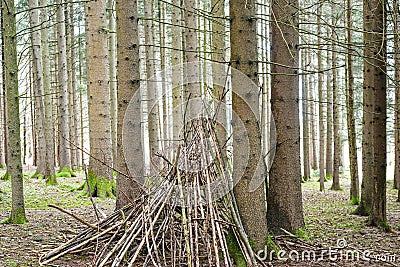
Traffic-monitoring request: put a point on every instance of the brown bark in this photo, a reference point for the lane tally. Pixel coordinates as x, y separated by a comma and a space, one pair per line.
329, 120
375, 80
321, 107
14, 167
99, 99
285, 208
351, 128
336, 110
396, 19
243, 40
306, 141
64, 147
128, 84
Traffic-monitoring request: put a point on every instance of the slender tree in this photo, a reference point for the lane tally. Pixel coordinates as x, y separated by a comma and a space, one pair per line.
113, 75
128, 73
64, 146
10, 64
48, 134
336, 107
285, 208
351, 128
306, 141
329, 119
100, 173
321, 106
396, 18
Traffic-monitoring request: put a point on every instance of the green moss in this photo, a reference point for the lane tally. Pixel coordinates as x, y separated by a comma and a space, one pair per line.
385, 225
355, 200
37, 175
5, 177
63, 174
302, 233
16, 217
99, 186
270, 244
2, 166
328, 177
67, 169
234, 250
51, 180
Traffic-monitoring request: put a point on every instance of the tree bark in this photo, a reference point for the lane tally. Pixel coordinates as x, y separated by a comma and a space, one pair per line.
100, 172
396, 18
14, 167
113, 77
336, 109
306, 139
176, 58
153, 111
49, 136
285, 208
37, 72
128, 73
351, 128
329, 120
321, 107
64, 150
243, 40
375, 80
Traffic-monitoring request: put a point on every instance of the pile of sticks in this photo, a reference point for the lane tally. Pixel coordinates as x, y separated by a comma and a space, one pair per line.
178, 222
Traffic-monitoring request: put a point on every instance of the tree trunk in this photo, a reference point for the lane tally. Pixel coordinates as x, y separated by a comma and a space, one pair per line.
329, 120
218, 55
100, 173
113, 77
191, 90
321, 107
396, 19
351, 128
336, 108
243, 40
375, 80
313, 132
14, 166
64, 150
285, 208
176, 58
128, 72
365, 206
306, 139
50, 154
37, 69
153, 108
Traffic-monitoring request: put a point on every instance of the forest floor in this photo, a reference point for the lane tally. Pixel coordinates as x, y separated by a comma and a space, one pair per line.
327, 215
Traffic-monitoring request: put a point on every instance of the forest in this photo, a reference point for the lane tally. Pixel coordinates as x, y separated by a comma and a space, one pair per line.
200, 133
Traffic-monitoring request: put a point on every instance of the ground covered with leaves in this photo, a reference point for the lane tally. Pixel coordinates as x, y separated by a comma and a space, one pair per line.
329, 225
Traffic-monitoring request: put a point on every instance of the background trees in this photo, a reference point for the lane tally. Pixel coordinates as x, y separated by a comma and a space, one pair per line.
71, 105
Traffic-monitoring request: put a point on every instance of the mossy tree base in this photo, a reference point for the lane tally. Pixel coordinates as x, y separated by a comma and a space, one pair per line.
66, 172
361, 211
234, 250
51, 180
37, 175
99, 186
16, 217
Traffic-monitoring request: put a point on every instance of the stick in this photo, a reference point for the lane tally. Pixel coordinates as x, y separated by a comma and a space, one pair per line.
73, 215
